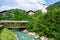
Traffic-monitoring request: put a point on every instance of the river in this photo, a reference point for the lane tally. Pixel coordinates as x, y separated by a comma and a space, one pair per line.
22, 35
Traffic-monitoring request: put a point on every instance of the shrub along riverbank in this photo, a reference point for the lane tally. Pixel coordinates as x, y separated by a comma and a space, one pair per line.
7, 35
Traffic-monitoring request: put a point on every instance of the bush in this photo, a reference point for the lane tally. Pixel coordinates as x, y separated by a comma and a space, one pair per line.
46, 24
7, 35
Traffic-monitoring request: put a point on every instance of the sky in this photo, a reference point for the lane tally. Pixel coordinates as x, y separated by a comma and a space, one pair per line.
25, 4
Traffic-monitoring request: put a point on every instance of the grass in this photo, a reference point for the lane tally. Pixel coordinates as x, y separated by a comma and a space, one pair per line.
0, 31
6, 34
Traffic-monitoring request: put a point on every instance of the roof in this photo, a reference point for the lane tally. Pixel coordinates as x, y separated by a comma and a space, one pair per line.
30, 11
3, 11
8, 21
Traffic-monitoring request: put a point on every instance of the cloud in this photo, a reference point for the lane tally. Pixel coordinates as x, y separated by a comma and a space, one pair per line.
21, 4
5, 7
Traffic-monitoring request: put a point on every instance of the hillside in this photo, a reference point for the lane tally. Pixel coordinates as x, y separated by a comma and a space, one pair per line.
53, 6
57, 4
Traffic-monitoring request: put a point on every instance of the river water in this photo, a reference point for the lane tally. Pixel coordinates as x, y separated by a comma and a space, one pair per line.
22, 35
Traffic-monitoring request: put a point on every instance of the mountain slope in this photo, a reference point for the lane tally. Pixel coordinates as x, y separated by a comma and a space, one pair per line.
57, 4
54, 6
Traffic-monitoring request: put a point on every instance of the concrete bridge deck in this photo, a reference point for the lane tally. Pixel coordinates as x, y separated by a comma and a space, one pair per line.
10, 24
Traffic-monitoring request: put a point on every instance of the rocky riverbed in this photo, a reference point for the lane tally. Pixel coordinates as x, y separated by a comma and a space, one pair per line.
36, 36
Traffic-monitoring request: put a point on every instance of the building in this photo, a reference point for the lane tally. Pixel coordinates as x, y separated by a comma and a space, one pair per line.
44, 10
5, 12
30, 12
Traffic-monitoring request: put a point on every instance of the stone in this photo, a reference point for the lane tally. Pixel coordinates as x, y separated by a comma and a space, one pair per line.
34, 34
16, 37
43, 38
25, 31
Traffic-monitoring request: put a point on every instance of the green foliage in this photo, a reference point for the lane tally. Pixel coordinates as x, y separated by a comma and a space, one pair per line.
57, 4
7, 35
46, 24
43, 24
14, 14
51, 8
1, 16
35, 23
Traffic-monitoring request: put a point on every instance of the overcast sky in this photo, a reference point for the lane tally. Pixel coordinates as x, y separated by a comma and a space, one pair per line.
24, 4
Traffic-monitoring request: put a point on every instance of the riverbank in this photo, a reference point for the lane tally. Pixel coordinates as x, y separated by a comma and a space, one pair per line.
36, 36
33, 34
6, 34
16, 37
22, 36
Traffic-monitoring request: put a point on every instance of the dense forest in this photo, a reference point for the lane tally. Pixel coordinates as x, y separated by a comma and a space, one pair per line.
47, 24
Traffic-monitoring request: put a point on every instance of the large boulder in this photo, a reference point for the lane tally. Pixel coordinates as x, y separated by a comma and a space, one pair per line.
43, 38
34, 34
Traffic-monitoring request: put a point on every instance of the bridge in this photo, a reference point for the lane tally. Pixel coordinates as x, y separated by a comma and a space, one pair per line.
13, 24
